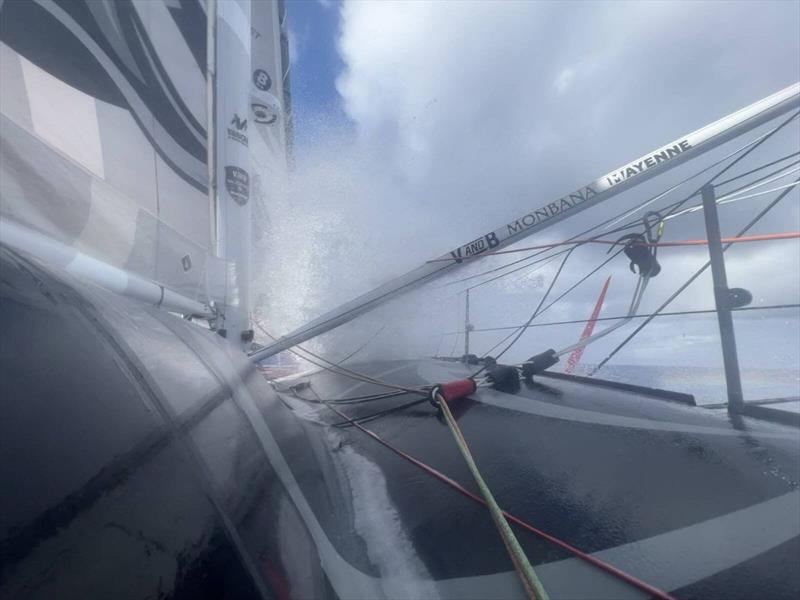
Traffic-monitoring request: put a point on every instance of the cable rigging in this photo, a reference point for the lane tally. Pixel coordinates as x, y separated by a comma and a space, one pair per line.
703, 311
691, 279
743, 152
530, 581
641, 249
549, 358
645, 260
575, 239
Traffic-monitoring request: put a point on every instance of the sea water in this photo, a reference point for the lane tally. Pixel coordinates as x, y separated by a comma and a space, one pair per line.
705, 383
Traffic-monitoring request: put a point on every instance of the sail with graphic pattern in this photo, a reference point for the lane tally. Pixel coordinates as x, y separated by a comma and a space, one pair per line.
105, 131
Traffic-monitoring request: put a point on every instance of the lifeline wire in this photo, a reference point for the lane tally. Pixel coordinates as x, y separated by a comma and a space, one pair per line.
788, 235
704, 311
729, 200
337, 368
362, 346
563, 294
691, 279
734, 162
533, 314
380, 413
354, 399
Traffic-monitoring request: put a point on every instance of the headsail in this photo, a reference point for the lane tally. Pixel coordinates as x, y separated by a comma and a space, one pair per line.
576, 355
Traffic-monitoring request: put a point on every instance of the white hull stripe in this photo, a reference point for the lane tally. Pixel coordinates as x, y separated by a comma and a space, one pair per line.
532, 406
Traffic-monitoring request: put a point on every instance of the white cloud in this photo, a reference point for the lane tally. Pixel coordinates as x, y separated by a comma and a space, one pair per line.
295, 47
564, 80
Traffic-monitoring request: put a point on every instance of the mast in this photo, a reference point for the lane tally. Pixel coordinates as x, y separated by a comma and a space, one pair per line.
233, 214
625, 177
211, 141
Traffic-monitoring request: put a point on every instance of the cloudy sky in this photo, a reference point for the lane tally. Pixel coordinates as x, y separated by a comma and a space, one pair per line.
421, 125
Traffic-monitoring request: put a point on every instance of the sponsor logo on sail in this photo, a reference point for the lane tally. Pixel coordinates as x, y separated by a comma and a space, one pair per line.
263, 114
236, 130
651, 161
262, 80
237, 182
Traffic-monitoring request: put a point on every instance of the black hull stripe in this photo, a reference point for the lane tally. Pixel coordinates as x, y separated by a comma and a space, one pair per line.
191, 170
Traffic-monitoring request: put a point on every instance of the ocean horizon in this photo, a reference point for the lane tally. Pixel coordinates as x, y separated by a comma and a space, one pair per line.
707, 384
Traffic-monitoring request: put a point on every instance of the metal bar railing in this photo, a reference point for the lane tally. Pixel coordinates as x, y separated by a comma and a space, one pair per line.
723, 301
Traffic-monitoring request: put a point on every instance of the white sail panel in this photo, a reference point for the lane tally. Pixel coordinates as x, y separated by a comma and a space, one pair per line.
78, 136
270, 131
270, 96
104, 133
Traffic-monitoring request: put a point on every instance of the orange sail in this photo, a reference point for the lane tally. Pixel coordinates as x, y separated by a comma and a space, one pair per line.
575, 357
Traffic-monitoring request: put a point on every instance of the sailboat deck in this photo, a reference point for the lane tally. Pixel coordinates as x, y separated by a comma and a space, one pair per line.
624, 475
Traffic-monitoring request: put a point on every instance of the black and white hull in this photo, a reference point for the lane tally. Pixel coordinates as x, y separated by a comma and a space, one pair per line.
149, 458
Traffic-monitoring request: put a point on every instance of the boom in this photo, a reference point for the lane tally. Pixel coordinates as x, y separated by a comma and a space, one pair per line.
620, 179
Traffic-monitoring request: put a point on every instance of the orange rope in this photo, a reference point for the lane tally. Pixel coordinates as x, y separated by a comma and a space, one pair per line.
790, 235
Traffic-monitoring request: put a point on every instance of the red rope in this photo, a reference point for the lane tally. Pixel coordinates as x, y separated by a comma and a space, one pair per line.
790, 235
604, 566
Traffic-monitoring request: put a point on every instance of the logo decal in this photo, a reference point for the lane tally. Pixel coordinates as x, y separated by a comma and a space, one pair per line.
261, 114
237, 129
262, 80
237, 182
651, 161
479, 246
546, 213
238, 125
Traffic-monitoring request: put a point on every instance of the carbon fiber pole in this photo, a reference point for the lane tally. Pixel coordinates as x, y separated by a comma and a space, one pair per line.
722, 300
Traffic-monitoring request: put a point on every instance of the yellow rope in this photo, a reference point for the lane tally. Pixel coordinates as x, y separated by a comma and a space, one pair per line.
530, 581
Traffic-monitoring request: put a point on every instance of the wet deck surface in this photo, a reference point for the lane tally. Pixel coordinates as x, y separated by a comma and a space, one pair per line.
612, 472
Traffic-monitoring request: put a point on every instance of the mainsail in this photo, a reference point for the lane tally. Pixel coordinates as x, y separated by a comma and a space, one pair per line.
108, 135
